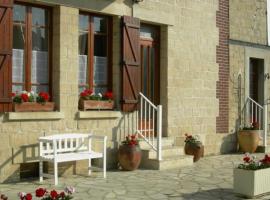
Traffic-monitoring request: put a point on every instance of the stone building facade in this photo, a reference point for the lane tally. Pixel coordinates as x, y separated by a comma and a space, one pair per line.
198, 89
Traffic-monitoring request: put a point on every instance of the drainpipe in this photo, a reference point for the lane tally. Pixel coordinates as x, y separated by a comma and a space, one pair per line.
268, 22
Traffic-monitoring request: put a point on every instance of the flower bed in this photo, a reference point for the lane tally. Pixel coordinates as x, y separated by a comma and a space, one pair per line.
31, 102
91, 101
251, 178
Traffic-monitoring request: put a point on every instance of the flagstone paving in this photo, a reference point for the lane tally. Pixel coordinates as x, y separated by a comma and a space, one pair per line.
210, 178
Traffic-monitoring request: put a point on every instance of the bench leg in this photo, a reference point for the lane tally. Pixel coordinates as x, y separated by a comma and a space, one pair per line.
40, 171
55, 173
89, 167
104, 165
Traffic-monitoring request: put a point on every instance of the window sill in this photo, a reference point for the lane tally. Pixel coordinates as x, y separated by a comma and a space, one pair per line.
99, 114
12, 116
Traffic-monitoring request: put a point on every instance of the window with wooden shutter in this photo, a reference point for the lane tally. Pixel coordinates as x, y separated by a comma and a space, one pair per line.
5, 54
131, 71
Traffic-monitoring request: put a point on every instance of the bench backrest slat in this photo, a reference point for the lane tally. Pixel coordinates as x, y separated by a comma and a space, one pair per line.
65, 144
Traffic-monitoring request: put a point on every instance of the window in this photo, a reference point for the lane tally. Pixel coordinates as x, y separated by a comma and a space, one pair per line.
95, 53
31, 36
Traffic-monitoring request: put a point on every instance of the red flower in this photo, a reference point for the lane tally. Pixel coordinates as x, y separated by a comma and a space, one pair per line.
13, 94
25, 97
62, 194
133, 137
108, 95
40, 192
266, 159
247, 159
54, 194
28, 196
44, 95
89, 92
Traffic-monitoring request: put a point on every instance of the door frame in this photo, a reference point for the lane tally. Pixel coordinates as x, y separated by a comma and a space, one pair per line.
259, 54
156, 44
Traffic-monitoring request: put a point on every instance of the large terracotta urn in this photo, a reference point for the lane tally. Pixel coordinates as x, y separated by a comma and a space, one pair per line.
129, 156
248, 140
197, 150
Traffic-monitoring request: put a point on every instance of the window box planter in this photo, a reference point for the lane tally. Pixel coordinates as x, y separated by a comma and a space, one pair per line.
251, 183
96, 105
33, 107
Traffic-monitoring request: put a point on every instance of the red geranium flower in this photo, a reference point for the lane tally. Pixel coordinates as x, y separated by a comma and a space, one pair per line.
40, 192
54, 194
13, 94
108, 95
28, 196
62, 194
44, 95
25, 97
247, 159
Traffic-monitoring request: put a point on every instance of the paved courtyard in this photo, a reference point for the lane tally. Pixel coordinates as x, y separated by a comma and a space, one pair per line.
210, 178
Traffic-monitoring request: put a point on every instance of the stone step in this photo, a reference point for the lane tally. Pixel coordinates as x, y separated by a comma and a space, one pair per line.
165, 142
172, 162
167, 151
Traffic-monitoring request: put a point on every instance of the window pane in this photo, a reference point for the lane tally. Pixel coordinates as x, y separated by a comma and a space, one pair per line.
100, 70
18, 37
18, 66
83, 41
40, 70
100, 24
39, 39
148, 32
101, 90
83, 22
17, 88
39, 17
100, 45
40, 88
19, 13
83, 69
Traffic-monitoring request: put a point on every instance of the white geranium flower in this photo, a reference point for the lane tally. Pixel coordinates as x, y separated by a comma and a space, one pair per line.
21, 194
69, 189
100, 95
24, 92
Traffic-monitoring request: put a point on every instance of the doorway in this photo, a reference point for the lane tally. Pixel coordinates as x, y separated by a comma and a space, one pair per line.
150, 55
256, 80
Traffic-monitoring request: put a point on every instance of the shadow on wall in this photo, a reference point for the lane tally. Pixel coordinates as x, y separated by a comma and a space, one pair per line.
91, 4
229, 144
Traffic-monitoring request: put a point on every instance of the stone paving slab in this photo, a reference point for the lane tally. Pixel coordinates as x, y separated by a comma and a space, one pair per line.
210, 178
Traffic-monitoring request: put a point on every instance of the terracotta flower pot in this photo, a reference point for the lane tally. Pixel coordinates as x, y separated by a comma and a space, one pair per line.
33, 107
248, 140
197, 150
129, 157
96, 105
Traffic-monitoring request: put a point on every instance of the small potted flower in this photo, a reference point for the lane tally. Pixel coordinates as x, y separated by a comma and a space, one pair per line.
31, 102
249, 137
193, 146
251, 178
129, 154
89, 100
43, 194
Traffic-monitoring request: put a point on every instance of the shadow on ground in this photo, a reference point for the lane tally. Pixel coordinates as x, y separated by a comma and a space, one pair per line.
213, 194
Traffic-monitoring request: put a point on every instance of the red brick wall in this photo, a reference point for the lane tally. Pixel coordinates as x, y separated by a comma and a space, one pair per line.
222, 21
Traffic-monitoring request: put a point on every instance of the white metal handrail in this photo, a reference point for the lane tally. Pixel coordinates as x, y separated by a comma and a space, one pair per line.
252, 112
149, 123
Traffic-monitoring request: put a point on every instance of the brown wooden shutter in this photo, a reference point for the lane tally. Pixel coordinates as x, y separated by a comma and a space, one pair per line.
5, 54
131, 70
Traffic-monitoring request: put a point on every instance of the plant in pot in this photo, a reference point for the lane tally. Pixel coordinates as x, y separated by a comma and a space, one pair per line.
31, 102
251, 178
89, 100
193, 146
129, 153
249, 137
3, 197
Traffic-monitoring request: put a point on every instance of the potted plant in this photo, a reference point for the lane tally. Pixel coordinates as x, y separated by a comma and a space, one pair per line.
193, 146
44, 194
3, 197
31, 102
89, 100
249, 137
129, 153
251, 178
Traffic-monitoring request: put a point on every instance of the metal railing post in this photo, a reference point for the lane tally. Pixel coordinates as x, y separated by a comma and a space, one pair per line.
265, 125
159, 132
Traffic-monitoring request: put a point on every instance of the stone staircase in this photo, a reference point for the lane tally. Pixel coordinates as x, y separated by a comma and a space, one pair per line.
172, 156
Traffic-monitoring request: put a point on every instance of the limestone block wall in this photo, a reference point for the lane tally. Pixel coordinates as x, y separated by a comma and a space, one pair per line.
248, 21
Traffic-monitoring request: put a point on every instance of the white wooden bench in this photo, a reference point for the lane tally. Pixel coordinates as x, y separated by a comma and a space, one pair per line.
68, 147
